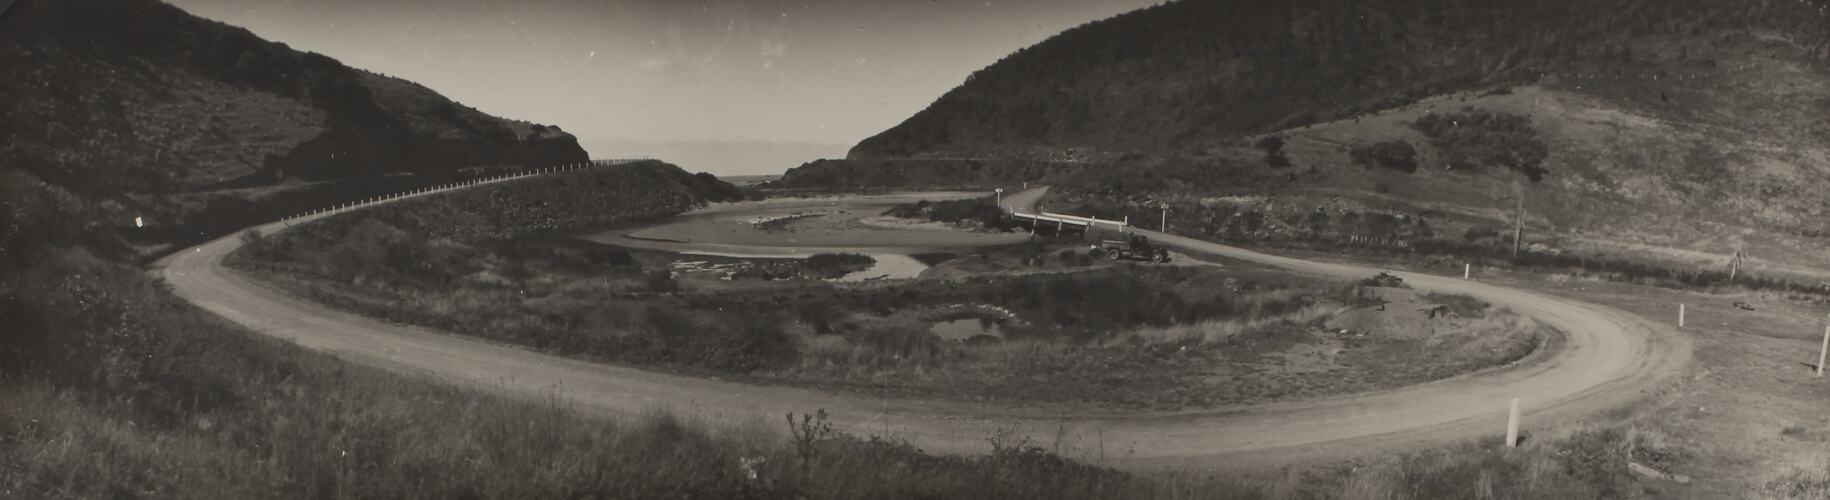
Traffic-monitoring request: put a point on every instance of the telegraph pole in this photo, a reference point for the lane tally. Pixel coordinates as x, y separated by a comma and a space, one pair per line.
1164, 226
1823, 352
1518, 221
1734, 264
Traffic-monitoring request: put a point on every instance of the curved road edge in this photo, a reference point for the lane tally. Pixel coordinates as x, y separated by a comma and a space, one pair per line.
1610, 358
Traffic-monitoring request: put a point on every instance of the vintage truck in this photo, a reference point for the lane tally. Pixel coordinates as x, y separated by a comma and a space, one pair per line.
1136, 247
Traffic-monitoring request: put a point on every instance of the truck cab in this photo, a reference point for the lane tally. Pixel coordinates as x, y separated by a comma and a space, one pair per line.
1136, 246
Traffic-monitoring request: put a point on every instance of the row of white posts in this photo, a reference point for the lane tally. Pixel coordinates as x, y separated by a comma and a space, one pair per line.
1512, 414
1823, 350
343, 207
1512, 419
1512, 411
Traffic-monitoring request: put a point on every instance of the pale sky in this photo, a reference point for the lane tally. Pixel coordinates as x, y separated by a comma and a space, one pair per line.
626, 72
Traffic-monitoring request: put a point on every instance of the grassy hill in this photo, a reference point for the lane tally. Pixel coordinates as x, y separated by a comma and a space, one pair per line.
1688, 125
1201, 72
192, 123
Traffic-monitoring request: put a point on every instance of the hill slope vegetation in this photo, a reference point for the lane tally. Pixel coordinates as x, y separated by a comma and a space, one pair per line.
190, 122
1669, 124
1199, 71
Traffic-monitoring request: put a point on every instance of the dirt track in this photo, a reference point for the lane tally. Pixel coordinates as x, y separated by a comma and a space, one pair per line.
1610, 358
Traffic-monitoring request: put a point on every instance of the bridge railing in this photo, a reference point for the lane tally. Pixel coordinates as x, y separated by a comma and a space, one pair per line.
1065, 220
1070, 219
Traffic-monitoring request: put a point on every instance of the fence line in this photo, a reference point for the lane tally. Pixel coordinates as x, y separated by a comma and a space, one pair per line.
423, 190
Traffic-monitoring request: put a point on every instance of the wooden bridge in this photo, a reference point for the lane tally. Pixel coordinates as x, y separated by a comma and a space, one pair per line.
1065, 222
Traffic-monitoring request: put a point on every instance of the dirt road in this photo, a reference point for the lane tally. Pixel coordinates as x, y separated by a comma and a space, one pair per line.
1610, 358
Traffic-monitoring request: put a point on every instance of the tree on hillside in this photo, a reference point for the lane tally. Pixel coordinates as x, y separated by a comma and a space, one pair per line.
1395, 155
1273, 147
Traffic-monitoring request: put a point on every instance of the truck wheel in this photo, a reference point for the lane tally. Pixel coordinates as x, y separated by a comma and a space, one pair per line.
1160, 257
1115, 255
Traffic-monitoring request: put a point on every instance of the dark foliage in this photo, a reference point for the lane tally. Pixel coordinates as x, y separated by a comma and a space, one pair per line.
1182, 73
1383, 279
985, 211
1474, 138
1273, 147
659, 281
1395, 155
196, 125
833, 265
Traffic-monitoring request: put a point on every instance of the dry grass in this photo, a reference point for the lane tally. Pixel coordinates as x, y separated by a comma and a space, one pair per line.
241, 416
1222, 330
1804, 482
452, 444
128, 392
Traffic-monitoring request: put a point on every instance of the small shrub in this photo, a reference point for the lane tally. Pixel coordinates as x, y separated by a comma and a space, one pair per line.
1462, 305
1273, 147
610, 255
817, 314
1480, 233
1395, 155
808, 433
834, 265
660, 280
1383, 279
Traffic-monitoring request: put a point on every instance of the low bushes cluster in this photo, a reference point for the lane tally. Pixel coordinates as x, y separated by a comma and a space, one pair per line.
810, 268
1273, 147
1474, 138
985, 211
1383, 279
834, 265
1074, 257
1395, 155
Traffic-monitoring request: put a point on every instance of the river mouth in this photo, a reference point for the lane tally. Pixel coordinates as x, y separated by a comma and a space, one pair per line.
890, 266
803, 228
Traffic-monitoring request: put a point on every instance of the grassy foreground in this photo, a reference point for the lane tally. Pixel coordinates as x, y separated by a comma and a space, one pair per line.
116, 389
135, 394
111, 387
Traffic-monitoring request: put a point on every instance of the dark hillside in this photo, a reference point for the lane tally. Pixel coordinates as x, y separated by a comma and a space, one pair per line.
1680, 129
1193, 72
136, 101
